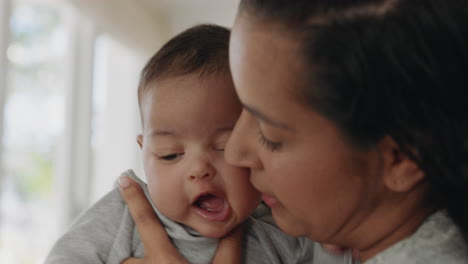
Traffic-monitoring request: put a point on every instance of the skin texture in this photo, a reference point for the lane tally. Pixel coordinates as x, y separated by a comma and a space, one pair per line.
317, 183
187, 121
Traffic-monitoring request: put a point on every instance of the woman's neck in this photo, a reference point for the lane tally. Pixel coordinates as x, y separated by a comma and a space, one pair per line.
398, 231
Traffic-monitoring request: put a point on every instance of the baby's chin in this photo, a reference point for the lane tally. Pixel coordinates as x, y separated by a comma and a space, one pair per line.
213, 232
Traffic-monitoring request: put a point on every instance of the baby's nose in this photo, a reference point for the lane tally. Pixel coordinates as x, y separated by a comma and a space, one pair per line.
201, 168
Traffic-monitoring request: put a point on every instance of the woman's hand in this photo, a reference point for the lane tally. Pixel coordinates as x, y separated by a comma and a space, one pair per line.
230, 248
158, 247
339, 250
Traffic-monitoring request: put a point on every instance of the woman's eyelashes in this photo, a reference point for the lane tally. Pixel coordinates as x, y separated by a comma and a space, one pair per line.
268, 144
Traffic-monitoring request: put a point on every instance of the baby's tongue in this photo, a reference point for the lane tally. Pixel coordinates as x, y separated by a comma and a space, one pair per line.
211, 203
213, 208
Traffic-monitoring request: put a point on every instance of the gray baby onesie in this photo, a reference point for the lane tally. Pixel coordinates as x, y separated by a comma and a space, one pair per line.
106, 233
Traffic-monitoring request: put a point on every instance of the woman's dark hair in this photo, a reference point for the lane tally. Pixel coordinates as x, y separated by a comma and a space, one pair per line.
395, 68
201, 49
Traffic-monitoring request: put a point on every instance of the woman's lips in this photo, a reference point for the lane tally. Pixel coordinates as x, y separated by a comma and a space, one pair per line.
269, 200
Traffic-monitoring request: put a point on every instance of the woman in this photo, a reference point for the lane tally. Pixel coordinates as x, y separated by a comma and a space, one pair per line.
354, 122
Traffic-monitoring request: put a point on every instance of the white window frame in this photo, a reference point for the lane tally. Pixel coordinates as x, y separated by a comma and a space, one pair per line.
73, 183
73, 164
74, 171
5, 12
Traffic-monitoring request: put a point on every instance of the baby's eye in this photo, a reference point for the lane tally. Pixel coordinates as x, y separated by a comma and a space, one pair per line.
170, 156
219, 149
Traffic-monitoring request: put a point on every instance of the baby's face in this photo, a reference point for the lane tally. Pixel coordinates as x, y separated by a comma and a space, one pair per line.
187, 122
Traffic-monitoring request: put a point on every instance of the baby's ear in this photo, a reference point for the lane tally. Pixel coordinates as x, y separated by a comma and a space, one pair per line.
140, 140
401, 172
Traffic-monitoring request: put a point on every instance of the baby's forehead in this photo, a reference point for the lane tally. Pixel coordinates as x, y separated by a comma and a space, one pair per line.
191, 105
182, 83
179, 132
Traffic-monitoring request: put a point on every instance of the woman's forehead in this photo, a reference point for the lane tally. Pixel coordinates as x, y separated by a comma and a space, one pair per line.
262, 58
278, 33
268, 72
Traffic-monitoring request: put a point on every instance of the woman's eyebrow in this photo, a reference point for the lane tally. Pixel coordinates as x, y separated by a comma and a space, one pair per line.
265, 118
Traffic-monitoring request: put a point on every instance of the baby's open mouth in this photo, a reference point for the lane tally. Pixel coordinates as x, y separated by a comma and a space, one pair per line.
212, 207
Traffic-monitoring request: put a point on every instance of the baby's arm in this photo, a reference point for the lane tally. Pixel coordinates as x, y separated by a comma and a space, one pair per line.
92, 238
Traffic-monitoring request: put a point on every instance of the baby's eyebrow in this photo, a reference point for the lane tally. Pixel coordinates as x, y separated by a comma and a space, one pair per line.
162, 133
169, 133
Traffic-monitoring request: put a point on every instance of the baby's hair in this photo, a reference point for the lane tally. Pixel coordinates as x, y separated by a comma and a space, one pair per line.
201, 49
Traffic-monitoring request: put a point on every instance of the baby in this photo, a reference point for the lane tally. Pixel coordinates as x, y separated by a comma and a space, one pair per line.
188, 108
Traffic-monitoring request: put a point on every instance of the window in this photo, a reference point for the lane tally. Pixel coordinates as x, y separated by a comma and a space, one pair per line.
116, 120
33, 122
68, 121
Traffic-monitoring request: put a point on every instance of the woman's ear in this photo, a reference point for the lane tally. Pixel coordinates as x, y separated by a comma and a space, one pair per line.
401, 173
140, 140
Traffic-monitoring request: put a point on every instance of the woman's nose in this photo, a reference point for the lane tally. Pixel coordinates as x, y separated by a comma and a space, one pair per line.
241, 148
201, 167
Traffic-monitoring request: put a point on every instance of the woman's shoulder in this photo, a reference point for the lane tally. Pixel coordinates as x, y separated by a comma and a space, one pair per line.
438, 240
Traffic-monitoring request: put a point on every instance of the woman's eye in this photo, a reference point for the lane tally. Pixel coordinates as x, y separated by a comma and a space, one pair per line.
270, 145
171, 156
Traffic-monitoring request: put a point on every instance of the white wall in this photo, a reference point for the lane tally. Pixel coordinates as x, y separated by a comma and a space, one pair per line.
136, 24
117, 120
144, 25
183, 14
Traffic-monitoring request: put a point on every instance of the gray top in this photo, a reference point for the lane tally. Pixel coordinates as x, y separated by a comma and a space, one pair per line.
438, 240
106, 233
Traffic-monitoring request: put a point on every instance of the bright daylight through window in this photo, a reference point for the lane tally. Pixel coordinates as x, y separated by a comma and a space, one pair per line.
33, 123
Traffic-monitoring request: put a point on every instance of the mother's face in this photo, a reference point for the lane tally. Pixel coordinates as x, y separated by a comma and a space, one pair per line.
316, 183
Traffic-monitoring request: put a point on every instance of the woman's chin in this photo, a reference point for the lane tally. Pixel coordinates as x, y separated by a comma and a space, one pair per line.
286, 223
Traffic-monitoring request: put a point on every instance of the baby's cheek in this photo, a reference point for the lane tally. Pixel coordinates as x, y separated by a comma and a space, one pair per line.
159, 190
165, 200
167, 192
247, 199
247, 207
154, 192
